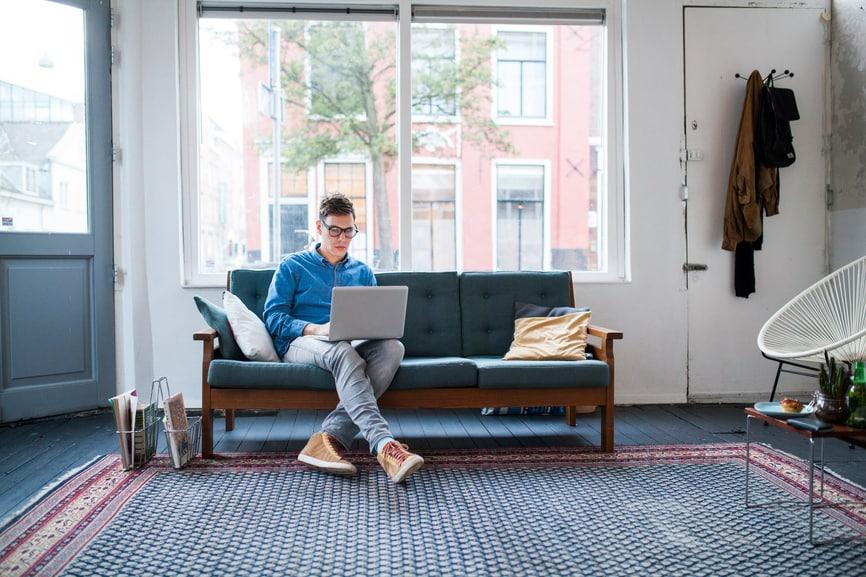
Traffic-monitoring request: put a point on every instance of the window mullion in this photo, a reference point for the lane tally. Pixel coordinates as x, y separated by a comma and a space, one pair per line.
404, 132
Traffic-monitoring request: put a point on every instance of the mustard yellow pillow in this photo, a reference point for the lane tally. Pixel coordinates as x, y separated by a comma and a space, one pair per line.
561, 338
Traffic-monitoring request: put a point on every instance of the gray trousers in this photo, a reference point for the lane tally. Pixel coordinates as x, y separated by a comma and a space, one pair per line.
362, 374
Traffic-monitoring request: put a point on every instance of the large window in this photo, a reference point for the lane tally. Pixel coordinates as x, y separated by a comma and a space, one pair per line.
304, 92
505, 164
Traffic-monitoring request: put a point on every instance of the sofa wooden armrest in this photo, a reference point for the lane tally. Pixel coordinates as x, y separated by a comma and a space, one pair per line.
603, 333
204, 335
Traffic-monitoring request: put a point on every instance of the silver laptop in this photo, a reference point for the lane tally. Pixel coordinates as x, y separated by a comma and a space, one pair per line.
367, 312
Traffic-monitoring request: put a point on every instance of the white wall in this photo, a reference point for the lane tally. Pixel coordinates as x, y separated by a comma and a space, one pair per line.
651, 309
133, 333
848, 69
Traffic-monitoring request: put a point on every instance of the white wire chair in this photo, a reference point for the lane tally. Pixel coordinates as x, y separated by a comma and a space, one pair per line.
828, 318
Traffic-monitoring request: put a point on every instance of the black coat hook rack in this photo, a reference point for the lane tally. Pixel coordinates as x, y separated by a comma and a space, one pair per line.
771, 77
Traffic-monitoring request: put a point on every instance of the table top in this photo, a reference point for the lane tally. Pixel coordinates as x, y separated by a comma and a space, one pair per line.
850, 434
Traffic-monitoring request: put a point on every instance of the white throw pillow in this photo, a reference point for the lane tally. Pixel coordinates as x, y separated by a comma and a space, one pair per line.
250, 332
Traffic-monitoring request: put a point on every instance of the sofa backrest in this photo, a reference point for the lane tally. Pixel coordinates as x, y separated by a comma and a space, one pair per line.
432, 313
487, 305
251, 286
482, 324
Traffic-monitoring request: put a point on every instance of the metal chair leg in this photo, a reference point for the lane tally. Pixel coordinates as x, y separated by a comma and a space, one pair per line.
776, 382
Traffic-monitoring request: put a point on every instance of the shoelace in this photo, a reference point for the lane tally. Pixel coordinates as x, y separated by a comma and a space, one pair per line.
396, 451
329, 443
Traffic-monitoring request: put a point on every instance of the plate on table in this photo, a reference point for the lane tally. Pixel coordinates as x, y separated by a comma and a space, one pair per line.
775, 410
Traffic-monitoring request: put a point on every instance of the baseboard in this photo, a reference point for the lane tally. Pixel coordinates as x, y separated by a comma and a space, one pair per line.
746, 397
643, 399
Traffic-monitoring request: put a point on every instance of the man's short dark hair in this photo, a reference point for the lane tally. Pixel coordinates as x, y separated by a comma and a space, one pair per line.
335, 203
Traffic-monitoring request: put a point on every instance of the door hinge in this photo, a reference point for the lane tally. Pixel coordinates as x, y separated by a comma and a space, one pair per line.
691, 154
115, 56
118, 277
114, 18
117, 155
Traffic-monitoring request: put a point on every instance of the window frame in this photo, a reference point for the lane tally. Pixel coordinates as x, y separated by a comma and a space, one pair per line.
458, 197
265, 224
547, 119
613, 222
369, 208
494, 208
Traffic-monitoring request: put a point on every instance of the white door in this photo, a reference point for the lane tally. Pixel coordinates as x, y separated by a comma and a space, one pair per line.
724, 361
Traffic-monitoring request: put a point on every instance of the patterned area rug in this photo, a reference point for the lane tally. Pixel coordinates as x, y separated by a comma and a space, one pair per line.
668, 510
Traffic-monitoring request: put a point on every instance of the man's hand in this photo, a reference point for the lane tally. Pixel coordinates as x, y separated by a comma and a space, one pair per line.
317, 330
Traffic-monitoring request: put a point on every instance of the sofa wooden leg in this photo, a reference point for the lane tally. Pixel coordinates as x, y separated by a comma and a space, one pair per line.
206, 433
570, 415
230, 419
607, 428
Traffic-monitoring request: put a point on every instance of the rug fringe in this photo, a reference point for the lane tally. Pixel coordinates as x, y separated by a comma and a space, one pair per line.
8, 519
841, 478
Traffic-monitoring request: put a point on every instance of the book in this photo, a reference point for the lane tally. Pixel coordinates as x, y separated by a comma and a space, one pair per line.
177, 429
123, 406
145, 433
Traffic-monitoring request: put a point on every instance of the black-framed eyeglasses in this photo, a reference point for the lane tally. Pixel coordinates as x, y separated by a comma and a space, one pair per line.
336, 231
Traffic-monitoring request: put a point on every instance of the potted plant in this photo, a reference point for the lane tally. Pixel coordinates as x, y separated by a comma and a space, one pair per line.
831, 400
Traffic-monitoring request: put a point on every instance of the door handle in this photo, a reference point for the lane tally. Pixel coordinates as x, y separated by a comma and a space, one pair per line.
693, 266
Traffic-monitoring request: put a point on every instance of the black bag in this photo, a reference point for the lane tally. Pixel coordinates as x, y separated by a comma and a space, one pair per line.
775, 143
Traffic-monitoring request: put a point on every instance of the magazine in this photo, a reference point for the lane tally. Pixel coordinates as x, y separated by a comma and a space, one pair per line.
177, 428
123, 407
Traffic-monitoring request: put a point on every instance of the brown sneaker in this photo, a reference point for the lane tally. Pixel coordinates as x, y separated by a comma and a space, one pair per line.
398, 462
325, 452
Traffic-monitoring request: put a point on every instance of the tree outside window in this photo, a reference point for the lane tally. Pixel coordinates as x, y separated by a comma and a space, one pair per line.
434, 57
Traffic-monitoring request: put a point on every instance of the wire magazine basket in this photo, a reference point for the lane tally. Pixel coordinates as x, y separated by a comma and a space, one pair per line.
138, 443
138, 440
182, 443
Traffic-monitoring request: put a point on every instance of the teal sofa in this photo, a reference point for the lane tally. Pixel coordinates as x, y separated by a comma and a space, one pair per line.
458, 327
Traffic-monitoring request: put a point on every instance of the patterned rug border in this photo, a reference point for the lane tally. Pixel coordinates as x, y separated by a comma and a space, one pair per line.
53, 530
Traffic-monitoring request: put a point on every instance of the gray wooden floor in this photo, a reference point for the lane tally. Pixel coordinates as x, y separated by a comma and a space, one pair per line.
34, 453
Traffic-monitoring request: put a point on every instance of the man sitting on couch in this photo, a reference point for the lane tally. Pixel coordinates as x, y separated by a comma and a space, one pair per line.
298, 309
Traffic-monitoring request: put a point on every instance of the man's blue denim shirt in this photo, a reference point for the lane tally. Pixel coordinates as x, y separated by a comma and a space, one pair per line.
300, 293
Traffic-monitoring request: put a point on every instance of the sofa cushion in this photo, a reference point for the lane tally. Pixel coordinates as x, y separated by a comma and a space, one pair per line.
435, 373
217, 319
554, 338
487, 304
432, 312
494, 373
249, 330
224, 374
251, 286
